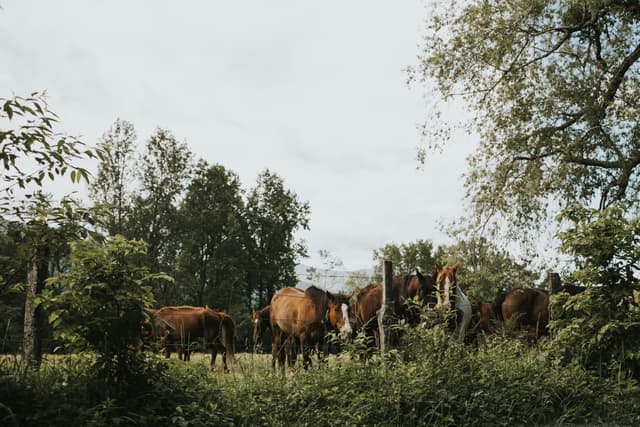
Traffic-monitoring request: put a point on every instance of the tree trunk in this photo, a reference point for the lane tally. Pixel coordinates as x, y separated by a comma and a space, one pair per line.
30, 340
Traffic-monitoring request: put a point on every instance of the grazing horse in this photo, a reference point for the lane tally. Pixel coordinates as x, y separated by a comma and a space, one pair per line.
446, 284
524, 308
260, 323
304, 316
481, 316
403, 289
192, 323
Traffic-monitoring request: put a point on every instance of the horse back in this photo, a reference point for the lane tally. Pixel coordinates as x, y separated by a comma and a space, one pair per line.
186, 320
368, 303
292, 311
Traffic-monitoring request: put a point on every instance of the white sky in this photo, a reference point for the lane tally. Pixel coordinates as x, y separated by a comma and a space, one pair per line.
313, 91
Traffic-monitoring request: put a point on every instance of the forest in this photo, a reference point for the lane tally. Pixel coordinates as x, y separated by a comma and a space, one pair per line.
553, 90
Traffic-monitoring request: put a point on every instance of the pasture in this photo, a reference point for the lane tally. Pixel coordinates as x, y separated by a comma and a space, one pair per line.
434, 380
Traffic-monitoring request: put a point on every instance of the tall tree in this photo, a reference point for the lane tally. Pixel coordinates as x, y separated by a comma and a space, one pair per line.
31, 150
212, 258
164, 172
112, 184
273, 216
554, 90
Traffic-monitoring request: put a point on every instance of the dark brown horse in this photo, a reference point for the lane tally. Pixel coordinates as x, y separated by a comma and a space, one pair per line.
524, 309
189, 324
305, 316
446, 287
404, 289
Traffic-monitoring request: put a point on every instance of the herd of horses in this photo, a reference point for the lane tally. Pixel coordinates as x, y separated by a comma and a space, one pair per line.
299, 320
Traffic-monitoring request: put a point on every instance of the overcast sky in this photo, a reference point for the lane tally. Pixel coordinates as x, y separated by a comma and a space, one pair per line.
313, 91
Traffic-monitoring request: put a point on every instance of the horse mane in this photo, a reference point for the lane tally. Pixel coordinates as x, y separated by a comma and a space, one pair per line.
496, 305
179, 307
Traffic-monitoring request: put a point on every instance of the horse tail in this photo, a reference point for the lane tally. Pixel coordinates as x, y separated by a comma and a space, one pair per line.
228, 327
496, 305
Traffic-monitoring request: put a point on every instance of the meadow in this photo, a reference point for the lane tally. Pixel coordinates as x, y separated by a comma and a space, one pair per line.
433, 380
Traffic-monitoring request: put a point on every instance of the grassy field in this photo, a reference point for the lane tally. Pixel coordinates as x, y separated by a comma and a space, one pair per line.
435, 381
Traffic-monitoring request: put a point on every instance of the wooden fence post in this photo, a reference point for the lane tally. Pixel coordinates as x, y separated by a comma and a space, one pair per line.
386, 308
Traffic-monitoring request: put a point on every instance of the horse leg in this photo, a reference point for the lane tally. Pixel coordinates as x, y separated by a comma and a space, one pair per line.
214, 354
306, 352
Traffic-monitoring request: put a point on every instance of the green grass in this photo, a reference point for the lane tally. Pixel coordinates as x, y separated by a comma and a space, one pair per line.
437, 382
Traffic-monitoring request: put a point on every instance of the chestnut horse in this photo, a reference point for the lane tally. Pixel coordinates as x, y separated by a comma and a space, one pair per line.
404, 289
304, 316
189, 324
481, 316
446, 284
524, 308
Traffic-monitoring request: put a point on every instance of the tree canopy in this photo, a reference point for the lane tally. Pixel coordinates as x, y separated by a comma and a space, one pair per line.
553, 88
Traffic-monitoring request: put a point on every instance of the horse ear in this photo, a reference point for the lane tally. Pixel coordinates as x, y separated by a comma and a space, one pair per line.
456, 266
438, 267
418, 273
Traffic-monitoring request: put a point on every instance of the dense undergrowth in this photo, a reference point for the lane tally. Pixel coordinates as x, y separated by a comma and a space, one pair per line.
438, 381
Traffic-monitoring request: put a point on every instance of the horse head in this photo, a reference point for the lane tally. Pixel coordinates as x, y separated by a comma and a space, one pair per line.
426, 289
445, 284
338, 312
260, 322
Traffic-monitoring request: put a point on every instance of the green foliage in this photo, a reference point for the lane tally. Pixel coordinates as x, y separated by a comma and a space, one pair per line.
164, 171
600, 328
97, 305
211, 264
405, 258
505, 382
273, 215
553, 88
29, 136
112, 185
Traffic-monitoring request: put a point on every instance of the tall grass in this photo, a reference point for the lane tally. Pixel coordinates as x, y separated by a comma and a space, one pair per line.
437, 381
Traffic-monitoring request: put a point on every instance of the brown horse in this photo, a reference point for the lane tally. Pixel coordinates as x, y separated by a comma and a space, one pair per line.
403, 289
304, 316
524, 308
192, 323
260, 323
446, 285
481, 317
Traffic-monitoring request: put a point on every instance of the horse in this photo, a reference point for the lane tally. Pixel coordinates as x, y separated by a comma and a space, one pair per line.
403, 289
524, 308
481, 316
192, 323
446, 283
260, 323
304, 316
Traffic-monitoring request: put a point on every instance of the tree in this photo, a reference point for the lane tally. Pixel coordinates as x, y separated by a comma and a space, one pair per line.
164, 172
405, 258
112, 185
273, 215
554, 89
600, 328
47, 229
98, 305
212, 260
32, 151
